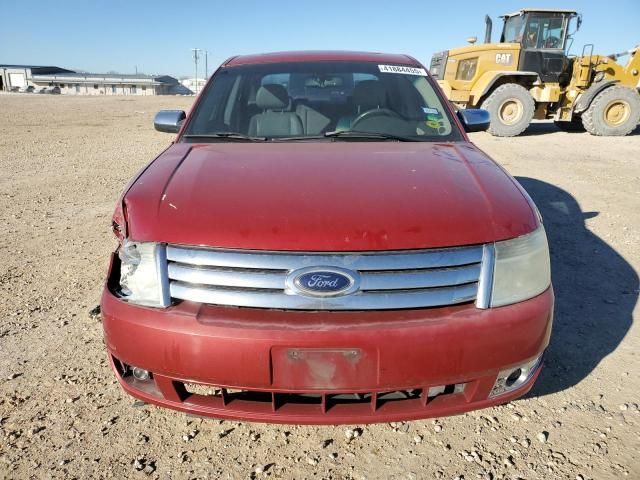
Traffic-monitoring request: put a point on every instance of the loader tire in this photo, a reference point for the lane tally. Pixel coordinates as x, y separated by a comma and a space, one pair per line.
511, 108
574, 125
614, 112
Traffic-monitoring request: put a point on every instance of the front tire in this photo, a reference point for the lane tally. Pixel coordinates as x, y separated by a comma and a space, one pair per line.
511, 107
614, 112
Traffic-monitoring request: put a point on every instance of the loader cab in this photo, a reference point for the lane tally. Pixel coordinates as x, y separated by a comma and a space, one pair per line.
544, 39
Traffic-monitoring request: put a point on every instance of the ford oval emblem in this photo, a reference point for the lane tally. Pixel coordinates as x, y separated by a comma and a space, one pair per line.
323, 281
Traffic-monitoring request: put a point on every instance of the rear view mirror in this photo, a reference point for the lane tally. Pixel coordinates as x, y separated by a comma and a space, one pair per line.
474, 119
169, 121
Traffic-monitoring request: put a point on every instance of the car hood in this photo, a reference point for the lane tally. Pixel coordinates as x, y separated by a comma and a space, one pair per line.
326, 196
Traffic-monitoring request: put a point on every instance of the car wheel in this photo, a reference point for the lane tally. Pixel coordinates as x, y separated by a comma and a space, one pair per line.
614, 112
511, 107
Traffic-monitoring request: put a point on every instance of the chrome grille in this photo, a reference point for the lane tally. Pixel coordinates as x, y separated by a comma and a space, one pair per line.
388, 280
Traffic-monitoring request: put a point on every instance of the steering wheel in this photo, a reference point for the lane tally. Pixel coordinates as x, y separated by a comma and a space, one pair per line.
376, 112
552, 42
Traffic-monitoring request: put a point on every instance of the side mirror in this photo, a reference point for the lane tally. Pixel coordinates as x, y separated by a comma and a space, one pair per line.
169, 121
474, 119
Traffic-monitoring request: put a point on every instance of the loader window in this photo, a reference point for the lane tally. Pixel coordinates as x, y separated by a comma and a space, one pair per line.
536, 30
513, 29
545, 31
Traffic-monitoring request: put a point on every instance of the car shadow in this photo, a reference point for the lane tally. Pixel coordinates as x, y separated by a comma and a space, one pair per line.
596, 291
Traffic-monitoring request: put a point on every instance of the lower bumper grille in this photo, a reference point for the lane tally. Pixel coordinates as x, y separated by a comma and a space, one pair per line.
295, 407
324, 401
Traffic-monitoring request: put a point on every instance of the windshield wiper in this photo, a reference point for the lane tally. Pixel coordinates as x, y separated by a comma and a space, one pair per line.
335, 134
226, 135
347, 134
374, 135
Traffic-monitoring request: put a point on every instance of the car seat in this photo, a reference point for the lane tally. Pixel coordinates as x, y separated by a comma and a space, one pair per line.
367, 95
275, 119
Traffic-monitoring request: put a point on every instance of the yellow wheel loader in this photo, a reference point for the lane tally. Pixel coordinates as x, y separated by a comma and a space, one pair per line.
529, 75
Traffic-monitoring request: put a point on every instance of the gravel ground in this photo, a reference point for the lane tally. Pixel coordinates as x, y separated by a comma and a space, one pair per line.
64, 161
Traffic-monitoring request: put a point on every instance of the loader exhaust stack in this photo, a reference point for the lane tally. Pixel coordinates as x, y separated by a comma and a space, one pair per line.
487, 31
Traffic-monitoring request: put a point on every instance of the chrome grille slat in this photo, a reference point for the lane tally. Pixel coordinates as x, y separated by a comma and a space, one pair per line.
420, 279
226, 278
385, 280
392, 260
361, 301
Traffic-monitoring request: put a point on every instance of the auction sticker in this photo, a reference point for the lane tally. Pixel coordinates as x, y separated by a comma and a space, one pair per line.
403, 70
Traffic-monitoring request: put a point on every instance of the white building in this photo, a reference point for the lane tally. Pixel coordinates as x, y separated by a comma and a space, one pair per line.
16, 77
193, 83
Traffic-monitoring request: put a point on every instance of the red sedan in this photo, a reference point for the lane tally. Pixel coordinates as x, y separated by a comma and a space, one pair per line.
322, 244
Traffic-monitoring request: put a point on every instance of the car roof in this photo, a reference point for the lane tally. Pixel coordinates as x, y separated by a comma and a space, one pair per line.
319, 56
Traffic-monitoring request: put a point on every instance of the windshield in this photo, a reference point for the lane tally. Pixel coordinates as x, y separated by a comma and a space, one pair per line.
321, 100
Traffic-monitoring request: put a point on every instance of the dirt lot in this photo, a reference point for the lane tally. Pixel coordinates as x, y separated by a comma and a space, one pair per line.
62, 414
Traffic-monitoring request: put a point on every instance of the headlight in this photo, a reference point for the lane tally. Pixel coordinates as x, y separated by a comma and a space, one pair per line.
522, 268
466, 69
142, 273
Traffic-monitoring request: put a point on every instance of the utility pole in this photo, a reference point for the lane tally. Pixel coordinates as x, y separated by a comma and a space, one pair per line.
206, 65
196, 56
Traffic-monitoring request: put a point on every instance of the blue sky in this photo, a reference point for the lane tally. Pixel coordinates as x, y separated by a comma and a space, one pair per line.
156, 36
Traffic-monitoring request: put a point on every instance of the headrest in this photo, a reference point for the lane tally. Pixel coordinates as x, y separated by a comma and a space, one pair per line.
369, 94
272, 96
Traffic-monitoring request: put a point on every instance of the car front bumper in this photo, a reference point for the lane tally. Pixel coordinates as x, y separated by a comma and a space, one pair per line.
323, 367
